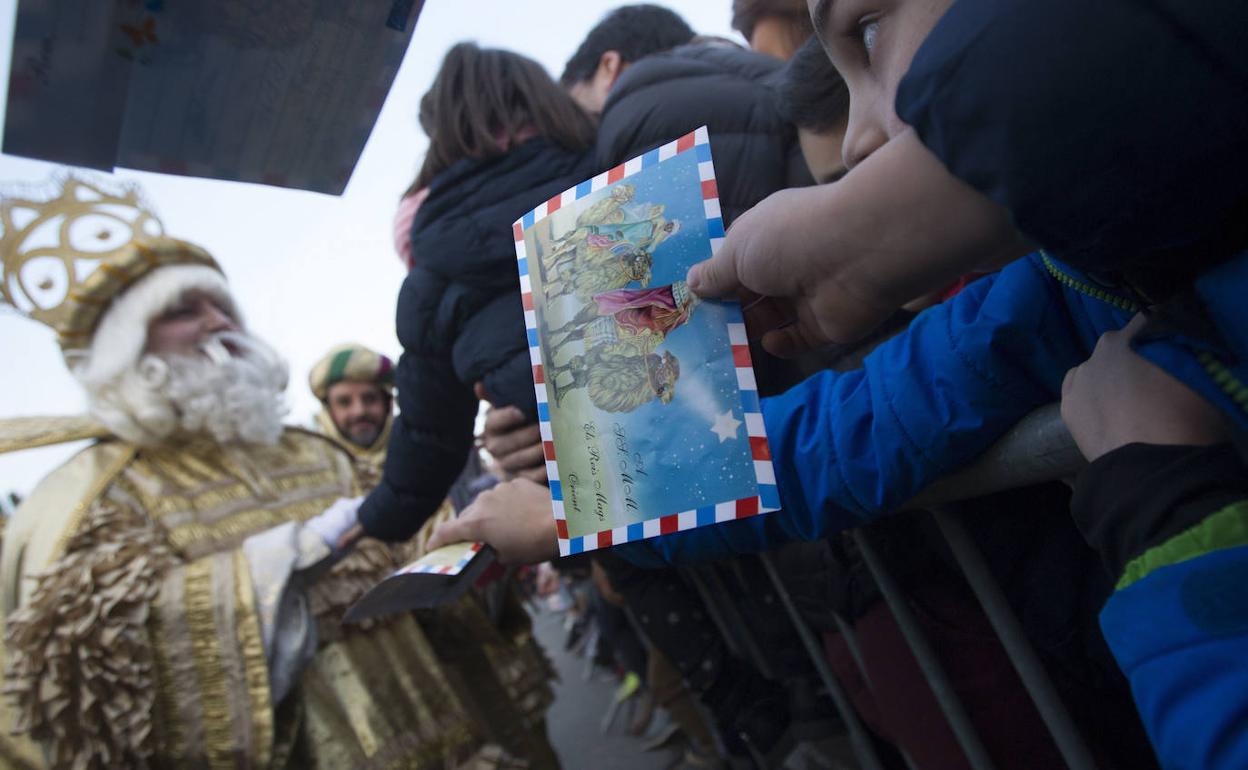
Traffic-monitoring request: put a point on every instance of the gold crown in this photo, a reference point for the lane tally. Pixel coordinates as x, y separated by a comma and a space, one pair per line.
68, 250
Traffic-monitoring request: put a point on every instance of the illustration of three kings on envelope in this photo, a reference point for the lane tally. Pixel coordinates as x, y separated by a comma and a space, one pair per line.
644, 401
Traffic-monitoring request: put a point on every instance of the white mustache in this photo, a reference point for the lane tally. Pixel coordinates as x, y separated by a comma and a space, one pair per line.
216, 351
223, 347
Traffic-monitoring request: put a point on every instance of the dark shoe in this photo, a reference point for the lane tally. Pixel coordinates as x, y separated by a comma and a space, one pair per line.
763, 723
749, 709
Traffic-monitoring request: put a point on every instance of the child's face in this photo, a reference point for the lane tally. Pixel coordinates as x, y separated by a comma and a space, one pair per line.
822, 152
871, 43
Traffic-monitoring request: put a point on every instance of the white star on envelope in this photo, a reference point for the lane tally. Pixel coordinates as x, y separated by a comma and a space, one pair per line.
725, 426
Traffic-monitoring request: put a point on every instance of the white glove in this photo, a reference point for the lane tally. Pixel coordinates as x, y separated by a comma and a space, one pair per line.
335, 520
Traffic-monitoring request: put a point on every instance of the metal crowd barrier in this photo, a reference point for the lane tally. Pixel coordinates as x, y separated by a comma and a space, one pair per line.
1019, 649
710, 586
1038, 449
860, 740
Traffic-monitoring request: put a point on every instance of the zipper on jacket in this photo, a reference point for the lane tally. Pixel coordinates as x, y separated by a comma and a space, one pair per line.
1222, 376
1083, 287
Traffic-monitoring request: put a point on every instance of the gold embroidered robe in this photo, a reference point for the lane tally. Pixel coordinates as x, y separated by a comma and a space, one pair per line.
498, 668
134, 634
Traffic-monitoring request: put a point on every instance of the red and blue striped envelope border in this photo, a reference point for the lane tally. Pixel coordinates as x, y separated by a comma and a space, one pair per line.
768, 499
417, 567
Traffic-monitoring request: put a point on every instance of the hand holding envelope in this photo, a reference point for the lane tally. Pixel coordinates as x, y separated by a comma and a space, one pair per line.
513, 517
648, 410
836, 281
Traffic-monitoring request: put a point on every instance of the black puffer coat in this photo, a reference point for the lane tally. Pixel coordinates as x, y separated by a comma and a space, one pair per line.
732, 92
460, 321
728, 89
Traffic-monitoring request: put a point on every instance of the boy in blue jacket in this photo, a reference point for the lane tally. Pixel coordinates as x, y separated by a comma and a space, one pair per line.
1068, 137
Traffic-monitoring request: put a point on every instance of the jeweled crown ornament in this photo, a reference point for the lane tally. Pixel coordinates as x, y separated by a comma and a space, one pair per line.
68, 250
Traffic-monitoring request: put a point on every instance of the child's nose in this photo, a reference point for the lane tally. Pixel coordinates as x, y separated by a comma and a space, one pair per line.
863, 136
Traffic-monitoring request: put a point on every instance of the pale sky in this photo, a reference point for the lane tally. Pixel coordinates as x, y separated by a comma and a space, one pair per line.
309, 271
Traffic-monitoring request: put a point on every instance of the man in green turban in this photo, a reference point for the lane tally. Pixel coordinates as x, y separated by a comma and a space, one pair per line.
355, 386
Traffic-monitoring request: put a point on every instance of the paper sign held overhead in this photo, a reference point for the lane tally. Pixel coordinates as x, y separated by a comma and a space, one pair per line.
282, 93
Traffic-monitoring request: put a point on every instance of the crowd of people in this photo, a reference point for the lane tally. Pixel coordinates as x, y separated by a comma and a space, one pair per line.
943, 215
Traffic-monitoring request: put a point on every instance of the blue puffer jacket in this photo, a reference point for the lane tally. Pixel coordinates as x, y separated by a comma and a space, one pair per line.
923, 404
1165, 203
928, 401
1180, 632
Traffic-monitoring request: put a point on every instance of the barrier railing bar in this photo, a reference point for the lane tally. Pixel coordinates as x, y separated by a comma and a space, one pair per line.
1039, 686
851, 642
713, 609
933, 672
733, 566
732, 627
855, 650
1037, 449
733, 616
860, 741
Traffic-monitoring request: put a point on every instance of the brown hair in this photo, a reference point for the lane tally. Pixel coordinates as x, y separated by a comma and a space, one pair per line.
747, 13
811, 93
485, 101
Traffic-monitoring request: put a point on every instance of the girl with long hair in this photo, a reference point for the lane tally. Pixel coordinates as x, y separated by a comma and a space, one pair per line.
502, 138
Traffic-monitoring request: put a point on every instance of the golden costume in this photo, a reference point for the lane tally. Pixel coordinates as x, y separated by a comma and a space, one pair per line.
496, 665
158, 598
134, 628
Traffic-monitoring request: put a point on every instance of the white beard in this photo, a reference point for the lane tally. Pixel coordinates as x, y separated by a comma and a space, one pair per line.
231, 397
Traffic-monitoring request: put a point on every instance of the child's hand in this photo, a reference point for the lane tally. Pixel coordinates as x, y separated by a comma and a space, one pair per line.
516, 445
834, 261
1117, 397
514, 518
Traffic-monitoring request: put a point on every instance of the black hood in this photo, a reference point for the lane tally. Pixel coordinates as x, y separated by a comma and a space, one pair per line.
729, 90
463, 230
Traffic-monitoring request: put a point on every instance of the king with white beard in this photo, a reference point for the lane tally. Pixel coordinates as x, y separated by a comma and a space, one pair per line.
170, 593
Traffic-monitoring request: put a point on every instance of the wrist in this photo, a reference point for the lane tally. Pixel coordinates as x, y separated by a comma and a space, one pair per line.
920, 252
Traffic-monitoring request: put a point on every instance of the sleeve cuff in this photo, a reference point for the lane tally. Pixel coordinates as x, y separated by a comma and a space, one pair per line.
1141, 495
380, 516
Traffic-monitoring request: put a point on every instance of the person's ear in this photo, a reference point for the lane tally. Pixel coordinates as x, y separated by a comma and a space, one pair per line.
610, 65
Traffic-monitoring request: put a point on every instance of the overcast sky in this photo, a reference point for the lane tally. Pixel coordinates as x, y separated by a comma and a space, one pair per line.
309, 270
